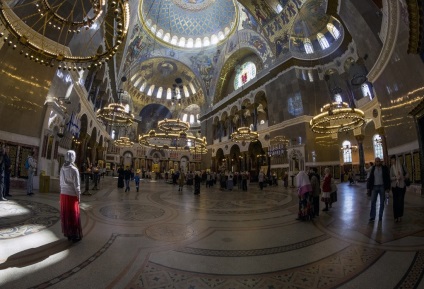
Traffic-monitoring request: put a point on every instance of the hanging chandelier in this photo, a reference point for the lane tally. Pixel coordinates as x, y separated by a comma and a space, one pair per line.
244, 134
337, 117
279, 140
173, 141
173, 125
115, 114
43, 30
124, 141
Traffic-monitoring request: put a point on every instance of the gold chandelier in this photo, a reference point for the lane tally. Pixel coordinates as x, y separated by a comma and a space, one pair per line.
337, 117
173, 125
124, 141
43, 30
115, 114
173, 141
279, 140
244, 134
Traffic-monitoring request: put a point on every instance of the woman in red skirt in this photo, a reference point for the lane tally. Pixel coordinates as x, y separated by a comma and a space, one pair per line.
70, 195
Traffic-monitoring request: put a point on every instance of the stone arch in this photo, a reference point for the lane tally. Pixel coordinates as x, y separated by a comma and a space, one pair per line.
261, 109
254, 152
235, 157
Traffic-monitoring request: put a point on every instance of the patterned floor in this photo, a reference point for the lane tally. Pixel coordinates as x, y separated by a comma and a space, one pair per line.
161, 238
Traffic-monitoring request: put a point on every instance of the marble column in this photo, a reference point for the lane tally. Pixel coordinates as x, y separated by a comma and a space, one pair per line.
362, 174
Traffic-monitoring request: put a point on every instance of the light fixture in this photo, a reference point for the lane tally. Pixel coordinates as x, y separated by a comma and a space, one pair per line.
115, 114
337, 117
173, 141
173, 125
43, 31
124, 141
244, 134
348, 147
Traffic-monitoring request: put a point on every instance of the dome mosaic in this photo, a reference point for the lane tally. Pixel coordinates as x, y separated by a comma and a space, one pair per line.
189, 23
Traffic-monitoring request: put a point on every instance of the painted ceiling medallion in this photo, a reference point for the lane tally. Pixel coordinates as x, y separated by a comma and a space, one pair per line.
193, 5
189, 23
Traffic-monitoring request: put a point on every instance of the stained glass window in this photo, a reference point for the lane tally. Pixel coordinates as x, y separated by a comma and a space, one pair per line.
322, 41
333, 30
246, 73
308, 46
378, 146
347, 152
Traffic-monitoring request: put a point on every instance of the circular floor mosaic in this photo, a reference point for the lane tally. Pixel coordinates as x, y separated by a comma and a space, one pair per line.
22, 217
170, 232
131, 212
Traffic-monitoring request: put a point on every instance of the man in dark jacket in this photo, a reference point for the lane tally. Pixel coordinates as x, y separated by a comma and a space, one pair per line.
378, 183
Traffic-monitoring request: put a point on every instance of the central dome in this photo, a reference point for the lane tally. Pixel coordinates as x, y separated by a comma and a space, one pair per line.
189, 23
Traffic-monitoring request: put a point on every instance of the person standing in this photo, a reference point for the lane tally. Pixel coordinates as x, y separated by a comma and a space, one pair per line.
304, 194
127, 177
398, 174
2, 168
326, 189
7, 172
181, 181
261, 179
70, 197
30, 165
137, 180
230, 181
197, 181
378, 183
120, 173
316, 190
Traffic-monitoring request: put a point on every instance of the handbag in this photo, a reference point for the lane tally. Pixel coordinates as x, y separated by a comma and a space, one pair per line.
406, 180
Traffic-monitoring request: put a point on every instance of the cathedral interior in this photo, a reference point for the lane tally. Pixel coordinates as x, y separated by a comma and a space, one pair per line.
160, 86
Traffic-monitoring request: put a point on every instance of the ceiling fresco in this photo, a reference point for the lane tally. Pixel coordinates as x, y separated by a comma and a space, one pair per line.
264, 28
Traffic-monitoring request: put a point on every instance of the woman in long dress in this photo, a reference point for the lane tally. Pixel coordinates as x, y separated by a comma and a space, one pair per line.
398, 174
121, 177
70, 196
304, 193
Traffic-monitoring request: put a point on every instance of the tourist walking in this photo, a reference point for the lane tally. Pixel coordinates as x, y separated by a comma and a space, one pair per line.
70, 197
197, 181
30, 165
261, 179
127, 178
378, 183
304, 194
326, 189
316, 190
398, 174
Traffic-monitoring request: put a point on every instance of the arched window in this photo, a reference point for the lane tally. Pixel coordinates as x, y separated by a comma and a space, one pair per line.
378, 146
214, 39
160, 91
308, 46
182, 42
113, 134
190, 43
174, 40
191, 118
246, 73
366, 90
322, 41
169, 93
333, 30
159, 34
193, 90
167, 37
143, 87
206, 41
150, 91
185, 89
185, 117
347, 152
198, 43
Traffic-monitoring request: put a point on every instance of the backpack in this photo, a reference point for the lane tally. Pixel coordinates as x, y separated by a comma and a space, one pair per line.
27, 164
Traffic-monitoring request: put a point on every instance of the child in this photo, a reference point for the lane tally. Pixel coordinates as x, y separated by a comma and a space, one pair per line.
137, 180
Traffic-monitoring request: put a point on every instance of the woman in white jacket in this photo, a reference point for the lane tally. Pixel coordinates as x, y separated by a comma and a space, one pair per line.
70, 195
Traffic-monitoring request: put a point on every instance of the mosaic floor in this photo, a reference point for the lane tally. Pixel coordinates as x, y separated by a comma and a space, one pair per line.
162, 238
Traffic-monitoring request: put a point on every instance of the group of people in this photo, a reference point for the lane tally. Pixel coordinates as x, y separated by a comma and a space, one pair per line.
381, 180
310, 188
6, 171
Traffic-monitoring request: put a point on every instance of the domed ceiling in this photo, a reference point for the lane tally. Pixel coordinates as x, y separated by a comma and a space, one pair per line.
189, 23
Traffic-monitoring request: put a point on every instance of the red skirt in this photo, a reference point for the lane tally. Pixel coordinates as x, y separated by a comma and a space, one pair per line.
70, 217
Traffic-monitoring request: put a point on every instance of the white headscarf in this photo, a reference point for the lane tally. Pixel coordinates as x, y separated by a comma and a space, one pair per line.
303, 183
70, 157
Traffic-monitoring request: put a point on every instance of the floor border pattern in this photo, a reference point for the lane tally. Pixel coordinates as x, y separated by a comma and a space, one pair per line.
414, 275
